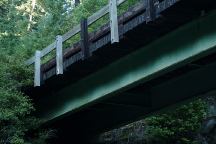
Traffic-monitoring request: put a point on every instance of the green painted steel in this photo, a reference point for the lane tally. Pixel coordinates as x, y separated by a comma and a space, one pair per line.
186, 44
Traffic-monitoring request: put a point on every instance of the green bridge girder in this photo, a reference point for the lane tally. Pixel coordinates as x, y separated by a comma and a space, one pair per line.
186, 44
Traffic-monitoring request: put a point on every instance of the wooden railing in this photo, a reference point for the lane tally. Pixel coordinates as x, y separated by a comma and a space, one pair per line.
111, 8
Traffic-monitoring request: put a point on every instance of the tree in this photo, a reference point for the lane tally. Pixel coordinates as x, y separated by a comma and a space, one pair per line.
181, 126
31, 14
16, 119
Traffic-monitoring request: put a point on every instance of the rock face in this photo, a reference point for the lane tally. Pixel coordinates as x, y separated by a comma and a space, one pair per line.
129, 134
211, 102
134, 133
208, 131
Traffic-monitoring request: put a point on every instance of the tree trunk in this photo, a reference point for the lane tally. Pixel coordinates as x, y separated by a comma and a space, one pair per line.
77, 2
31, 14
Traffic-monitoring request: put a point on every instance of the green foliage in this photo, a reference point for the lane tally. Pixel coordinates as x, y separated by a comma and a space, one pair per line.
16, 119
180, 125
173, 126
15, 108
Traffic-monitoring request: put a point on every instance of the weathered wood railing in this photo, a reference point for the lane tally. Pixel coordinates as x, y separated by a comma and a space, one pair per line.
111, 8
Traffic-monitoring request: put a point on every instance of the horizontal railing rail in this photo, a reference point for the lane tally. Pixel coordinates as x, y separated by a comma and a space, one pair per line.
82, 28
75, 30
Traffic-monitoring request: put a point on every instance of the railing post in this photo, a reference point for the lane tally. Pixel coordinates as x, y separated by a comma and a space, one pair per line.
113, 21
37, 72
59, 55
84, 39
150, 11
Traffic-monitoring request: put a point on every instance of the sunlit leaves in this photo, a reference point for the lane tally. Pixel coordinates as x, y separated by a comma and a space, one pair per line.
180, 125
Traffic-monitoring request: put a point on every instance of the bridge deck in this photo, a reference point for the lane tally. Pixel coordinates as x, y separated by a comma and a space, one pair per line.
140, 75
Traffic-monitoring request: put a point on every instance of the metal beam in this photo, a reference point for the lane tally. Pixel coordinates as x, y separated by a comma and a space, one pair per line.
186, 44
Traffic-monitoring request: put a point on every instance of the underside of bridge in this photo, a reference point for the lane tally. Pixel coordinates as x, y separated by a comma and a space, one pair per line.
130, 80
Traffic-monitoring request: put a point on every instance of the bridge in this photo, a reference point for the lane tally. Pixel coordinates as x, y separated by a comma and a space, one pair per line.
157, 54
